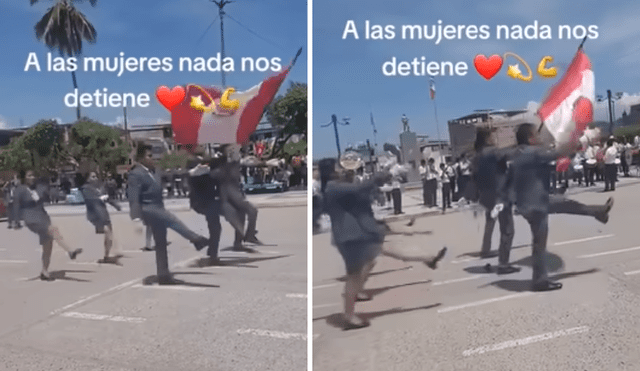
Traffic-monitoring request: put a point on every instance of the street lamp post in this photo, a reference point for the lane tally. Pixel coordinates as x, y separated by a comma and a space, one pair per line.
611, 102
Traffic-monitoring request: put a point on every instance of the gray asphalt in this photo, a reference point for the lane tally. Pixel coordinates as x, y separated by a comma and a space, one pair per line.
460, 318
248, 314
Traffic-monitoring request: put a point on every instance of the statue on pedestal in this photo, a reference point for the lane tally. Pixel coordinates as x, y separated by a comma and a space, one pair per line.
405, 122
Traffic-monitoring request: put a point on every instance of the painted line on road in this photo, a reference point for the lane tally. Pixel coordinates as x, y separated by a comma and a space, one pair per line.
326, 305
113, 289
456, 280
273, 334
13, 261
609, 252
3, 249
482, 302
95, 264
631, 273
297, 296
583, 240
525, 341
103, 317
326, 286
172, 287
464, 260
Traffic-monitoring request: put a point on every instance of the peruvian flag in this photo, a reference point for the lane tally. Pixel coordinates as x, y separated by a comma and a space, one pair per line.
568, 107
232, 123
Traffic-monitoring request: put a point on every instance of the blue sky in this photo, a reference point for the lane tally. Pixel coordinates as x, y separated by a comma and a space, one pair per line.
144, 28
348, 80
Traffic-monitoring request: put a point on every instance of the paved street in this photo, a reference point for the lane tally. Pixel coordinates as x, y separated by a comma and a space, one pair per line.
248, 314
461, 318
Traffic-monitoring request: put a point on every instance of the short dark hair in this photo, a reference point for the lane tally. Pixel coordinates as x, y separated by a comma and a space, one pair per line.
610, 142
141, 150
524, 132
482, 138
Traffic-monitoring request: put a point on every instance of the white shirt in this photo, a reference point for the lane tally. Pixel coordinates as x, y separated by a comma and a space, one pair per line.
423, 171
610, 155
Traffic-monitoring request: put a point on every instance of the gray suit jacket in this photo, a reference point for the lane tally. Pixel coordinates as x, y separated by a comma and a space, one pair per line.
490, 174
96, 208
26, 208
349, 207
528, 181
144, 189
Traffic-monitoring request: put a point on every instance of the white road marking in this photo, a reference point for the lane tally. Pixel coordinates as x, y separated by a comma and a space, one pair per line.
631, 273
609, 252
326, 305
103, 317
95, 264
168, 287
3, 249
113, 289
464, 260
583, 240
482, 302
326, 286
13, 261
456, 280
298, 296
274, 334
525, 341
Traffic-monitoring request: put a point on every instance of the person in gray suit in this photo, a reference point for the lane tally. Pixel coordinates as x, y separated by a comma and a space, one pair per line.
28, 205
145, 200
528, 187
359, 238
489, 175
95, 200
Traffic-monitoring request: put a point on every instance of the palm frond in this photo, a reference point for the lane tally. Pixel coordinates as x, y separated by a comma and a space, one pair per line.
63, 27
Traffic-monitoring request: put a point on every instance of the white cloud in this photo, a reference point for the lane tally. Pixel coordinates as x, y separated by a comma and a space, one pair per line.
3, 122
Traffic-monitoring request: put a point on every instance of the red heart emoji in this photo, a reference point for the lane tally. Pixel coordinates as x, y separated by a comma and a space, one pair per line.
170, 98
487, 68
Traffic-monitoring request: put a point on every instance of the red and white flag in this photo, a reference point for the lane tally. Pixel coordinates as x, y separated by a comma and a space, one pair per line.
568, 107
206, 115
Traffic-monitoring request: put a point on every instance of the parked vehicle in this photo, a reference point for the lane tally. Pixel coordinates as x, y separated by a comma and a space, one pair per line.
75, 197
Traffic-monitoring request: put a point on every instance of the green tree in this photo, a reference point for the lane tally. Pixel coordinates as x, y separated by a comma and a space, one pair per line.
63, 28
98, 144
289, 113
40, 148
174, 160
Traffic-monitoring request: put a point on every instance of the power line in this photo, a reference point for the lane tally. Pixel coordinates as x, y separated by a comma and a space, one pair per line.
205, 32
254, 33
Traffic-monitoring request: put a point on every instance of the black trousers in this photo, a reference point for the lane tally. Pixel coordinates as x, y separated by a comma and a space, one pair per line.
610, 173
446, 195
507, 231
397, 200
425, 193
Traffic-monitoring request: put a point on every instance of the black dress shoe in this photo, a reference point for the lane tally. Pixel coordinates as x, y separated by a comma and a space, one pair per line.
74, 254
45, 277
350, 325
168, 280
488, 254
433, 264
148, 249
508, 269
547, 286
201, 243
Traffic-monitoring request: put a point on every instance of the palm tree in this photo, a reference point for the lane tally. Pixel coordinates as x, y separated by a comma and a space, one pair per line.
63, 28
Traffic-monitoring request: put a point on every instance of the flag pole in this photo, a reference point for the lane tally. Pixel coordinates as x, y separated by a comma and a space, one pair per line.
435, 111
579, 49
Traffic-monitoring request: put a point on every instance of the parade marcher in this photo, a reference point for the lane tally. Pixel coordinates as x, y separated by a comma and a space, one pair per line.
590, 165
432, 182
451, 172
95, 201
610, 167
28, 205
359, 238
145, 200
464, 174
424, 171
528, 186
235, 207
9, 195
489, 177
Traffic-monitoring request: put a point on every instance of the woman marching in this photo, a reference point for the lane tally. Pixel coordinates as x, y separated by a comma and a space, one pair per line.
97, 214
28, 205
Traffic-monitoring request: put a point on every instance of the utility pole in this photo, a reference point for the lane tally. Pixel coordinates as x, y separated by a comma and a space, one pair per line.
126, 136
334, 122
221, 4
610, 113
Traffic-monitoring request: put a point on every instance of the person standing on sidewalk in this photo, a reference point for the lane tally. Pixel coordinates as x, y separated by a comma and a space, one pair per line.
424, 171
9, 190
610, 167
28, 205
432, 179
446, 188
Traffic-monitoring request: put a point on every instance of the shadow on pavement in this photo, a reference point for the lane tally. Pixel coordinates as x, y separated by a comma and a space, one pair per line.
375, 292
151, 280
337, 319
232, 262
62, 275
554, 262
493, 253
525, 285
344, 278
